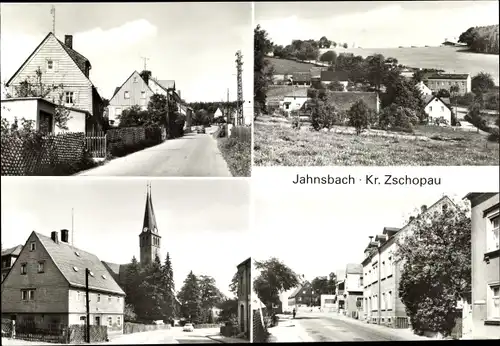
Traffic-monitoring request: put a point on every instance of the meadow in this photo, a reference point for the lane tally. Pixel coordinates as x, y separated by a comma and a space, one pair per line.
276, 143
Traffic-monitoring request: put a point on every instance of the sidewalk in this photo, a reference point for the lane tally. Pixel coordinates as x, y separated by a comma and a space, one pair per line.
227, 340
288, 330
404, 333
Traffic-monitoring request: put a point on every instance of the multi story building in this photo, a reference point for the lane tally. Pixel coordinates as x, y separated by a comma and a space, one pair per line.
381, 273
46, 286
485, 263
353, 289
440, 81
244, 293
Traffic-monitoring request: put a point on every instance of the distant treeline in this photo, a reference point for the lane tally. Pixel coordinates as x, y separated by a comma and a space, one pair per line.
481, 39
211, 107
304, 49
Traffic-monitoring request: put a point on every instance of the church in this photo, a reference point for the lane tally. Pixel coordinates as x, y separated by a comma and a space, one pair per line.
149, 245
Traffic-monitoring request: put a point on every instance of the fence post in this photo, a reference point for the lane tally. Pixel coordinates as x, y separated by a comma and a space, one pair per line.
13, 331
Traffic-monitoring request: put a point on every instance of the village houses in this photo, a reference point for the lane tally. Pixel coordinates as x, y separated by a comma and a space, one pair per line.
353, 289
437, 108
440, 81
46, 286
381, 273
9, 257
482, 318
339, 291
66, 69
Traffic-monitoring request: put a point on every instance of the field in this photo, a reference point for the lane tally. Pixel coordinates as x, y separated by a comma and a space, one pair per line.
449, 59
284, 66
277, 144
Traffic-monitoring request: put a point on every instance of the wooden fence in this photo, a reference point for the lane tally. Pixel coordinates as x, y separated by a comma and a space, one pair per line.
95, 143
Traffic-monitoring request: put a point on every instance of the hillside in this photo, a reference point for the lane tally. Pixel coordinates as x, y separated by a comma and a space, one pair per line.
286, 66
481, 39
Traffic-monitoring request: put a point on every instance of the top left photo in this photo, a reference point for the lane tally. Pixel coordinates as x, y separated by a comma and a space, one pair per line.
127, 89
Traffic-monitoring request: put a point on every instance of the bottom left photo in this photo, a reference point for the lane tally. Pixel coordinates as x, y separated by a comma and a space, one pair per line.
125, 261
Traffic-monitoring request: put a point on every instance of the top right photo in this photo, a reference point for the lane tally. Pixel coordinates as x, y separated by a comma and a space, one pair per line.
399, 83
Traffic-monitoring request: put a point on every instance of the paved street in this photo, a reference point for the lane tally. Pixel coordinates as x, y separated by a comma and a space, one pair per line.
321, 327
194, 155
168, 336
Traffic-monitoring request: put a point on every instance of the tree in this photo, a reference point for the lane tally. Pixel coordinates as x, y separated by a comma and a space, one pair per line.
190, 298
129, 314
329, 57
263, 72
169, 288
153, 292
443, 93
324, 42
404, 93
335, 86
307, 51
210, 296
454, 89
35, 87
360, 116
332, 282
233, 286
145, 75
475, 117
345, 45
229, 310
436, 268
482, 83
132, 283
133, 116
275, 278
397, 118
320, 284
324, 113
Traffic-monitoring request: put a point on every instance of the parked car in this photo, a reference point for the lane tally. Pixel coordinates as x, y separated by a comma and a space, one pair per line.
201, 129
188, 327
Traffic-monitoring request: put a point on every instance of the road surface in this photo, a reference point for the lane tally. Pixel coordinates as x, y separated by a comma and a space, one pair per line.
321, 327
168, 336
194, 155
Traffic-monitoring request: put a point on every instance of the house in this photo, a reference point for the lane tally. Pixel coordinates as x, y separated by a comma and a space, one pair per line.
244, 293
381, 273
437, 108
445, 81
62, 66
300, 78
137, 90
43, 112
353, 289
9, 257
328, 302
341, 77
423, 89
485, 264
46, 286
303, 296
294, 100
340, 290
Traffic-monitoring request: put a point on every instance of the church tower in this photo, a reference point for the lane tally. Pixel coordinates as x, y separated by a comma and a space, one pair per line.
149, 239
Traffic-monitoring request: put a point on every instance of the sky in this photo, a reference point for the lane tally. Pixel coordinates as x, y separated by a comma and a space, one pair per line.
192, 43
319, 233
202, 222
374, 24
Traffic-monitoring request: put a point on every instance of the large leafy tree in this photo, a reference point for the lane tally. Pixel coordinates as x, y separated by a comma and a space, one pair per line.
190, 298
482, 83
435, 257
133, 116
210, 296
360, 116
263, 71
153, 291
275, 277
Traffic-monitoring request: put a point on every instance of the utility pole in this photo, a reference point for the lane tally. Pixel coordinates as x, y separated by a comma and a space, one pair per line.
239, 78
228, 114
145, 62
87, 301
53, 13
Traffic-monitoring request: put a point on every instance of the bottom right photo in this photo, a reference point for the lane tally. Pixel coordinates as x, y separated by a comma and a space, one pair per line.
397, 266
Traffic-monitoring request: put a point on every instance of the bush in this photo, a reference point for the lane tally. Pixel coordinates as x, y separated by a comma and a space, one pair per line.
238, 155
359, 116
397, 118
494, 135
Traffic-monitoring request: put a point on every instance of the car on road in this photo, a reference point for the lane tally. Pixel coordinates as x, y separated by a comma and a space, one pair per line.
201, 129
188, 327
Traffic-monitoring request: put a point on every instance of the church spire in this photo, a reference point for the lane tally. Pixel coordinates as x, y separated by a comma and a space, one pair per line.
149, 214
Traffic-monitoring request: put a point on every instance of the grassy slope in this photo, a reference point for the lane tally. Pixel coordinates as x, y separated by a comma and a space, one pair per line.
284, 66
276, 144
237, 154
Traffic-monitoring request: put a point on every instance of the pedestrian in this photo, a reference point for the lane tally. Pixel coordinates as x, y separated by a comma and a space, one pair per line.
294, 312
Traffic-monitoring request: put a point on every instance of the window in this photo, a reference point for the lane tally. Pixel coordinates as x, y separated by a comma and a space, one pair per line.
126, 95
97, 320
77, 296
135, 79
32, 246
143, 94
23, 268
493, 235
110, 321
50, 64
68, 97
118, 321
98, 298
382, 267
442, 108
383, 302
27, 295
494, 302
41, 266
82, 319
389, 265
389, 300
430, 109
118, 111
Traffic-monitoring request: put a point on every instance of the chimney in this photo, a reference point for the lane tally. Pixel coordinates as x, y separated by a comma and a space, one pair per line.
423, 208
68, 41
55, 237
64, 235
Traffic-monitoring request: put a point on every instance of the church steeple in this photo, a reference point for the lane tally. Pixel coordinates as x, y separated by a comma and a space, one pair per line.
149, 239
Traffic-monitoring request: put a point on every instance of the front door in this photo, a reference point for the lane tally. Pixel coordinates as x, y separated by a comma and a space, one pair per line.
46, 123
98, 320
242, 318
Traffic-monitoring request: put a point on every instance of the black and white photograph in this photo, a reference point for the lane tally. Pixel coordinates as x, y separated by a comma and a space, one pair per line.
125, 261
127, 89
376, 83
396, 266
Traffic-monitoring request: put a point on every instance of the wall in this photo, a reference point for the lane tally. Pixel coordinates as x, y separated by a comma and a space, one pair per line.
27, 109
244, 299
437, 109
435, 85
66, 72
482, 273
76, 122
51, 294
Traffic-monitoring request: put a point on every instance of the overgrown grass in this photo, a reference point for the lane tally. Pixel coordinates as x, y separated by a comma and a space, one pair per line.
279, 144
237, 152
